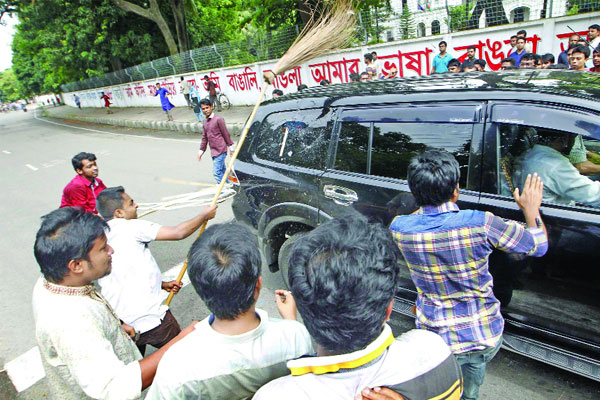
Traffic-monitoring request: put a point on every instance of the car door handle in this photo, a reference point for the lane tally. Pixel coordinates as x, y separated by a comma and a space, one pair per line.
340, 195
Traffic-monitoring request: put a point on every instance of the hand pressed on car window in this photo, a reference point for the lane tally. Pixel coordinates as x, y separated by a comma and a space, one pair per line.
530, 199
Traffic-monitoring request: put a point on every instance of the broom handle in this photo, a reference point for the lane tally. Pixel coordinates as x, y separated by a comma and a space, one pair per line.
225, 176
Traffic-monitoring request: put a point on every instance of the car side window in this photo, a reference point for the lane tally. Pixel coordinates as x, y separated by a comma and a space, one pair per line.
295, 138
567, 163
395, 144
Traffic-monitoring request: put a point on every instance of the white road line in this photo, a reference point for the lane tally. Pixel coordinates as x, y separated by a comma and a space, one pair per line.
26, 370
116, 134
6, 152
31, 167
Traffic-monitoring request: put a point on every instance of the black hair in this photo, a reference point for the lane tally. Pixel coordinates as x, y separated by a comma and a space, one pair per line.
528, 56
522, 32
354, 77
597, 49
224, 265
278, 92
343, 275
514, 36
510, 67
432, 177
157, 83
583, 50
443, 42
374, 52
206, 77
324, 82
572, 46
206, 102
557, 66
65, 234
594, 26
472, 47
548, 57
363, 73
368, 56
537, 58
182, 78
510, 60
454, 63
481, 62
302, 87
522, 38
77, 159
110, 200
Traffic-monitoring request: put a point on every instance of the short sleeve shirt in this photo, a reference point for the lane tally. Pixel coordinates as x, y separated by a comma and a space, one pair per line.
441, 63
133, 288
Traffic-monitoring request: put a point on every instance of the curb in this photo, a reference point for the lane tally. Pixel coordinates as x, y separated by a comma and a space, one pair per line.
181, 127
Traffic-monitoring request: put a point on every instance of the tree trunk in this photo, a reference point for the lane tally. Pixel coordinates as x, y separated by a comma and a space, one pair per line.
153, 14
178, 7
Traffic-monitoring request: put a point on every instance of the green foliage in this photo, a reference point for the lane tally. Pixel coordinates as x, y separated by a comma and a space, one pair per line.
9, 89
407, 24
459, 18
374, 16
581, 6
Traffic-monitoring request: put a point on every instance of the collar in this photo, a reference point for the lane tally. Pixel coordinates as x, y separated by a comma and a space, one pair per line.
86, 182
449, 206
86, 290
327, 364
212, 114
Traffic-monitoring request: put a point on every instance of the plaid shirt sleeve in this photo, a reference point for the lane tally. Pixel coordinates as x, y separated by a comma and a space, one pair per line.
513, 237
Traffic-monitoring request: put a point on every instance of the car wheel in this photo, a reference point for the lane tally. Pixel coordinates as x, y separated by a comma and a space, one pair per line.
284, 254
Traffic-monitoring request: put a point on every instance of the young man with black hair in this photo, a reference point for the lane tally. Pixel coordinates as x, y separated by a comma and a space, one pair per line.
593, 36
440, 61
343, 275
354, 77
215, 135
238, 348
596, 60
134, 288
579, 57
453, 66
447, 250
528, 60
479, 65
212, 93
277, 93
520, 51
470, 60
371, 69
82, 190
508, 63
86, 351
547, 60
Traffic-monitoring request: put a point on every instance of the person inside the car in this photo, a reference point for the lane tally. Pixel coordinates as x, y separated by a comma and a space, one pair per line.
343, 275
563, 183
447, 252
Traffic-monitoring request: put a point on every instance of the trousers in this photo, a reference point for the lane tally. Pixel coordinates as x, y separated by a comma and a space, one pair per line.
473, 364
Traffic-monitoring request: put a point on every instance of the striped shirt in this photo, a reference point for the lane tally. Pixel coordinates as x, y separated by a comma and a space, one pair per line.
447, 254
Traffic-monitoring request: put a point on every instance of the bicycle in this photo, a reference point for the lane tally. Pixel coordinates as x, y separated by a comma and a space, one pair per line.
223, 100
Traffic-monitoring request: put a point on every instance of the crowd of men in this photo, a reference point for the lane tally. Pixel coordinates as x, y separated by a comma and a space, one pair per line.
99, 302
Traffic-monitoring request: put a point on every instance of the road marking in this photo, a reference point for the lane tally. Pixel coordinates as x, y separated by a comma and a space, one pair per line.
170, 180
116, 134
31, 167
27, 369
6, 152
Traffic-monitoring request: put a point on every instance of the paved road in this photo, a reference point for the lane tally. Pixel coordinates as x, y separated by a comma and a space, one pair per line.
153, 167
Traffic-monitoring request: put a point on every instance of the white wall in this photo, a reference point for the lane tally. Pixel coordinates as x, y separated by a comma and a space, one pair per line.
242, 84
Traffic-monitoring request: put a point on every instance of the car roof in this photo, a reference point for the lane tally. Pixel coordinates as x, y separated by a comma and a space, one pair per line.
579, 88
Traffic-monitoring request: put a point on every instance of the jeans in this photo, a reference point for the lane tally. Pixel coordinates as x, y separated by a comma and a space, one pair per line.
472, 364
219, 166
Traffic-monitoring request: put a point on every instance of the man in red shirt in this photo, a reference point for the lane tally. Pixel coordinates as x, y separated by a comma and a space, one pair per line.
85, 187
212, 93
216, 135
596, 67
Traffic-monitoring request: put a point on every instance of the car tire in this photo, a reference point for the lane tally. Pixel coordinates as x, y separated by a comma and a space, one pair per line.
284, 254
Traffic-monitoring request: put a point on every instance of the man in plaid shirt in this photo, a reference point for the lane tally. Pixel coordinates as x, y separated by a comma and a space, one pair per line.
447, 252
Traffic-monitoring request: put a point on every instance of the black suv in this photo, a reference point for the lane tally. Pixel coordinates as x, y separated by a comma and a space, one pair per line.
327, 151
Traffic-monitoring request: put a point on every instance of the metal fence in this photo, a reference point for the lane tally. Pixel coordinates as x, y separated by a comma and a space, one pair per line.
403, 20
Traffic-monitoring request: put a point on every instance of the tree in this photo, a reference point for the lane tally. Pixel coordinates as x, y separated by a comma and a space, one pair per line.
153, 14
9, 89
9, 7
374, 15
407, 23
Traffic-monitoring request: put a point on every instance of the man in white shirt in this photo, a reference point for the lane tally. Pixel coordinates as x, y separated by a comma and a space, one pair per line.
343, 275
238, 348
86, 351
134, 287
378, 65
563, 183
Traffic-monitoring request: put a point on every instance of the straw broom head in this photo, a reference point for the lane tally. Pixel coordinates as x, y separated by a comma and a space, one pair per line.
331, 30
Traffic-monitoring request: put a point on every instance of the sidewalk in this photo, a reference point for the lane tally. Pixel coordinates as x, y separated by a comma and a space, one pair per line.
149, 117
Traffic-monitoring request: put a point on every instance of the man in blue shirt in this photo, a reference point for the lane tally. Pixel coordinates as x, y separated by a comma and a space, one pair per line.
440, 62
517, 55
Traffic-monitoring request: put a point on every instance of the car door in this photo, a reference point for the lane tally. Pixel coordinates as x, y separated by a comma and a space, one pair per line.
556, 295
371, 150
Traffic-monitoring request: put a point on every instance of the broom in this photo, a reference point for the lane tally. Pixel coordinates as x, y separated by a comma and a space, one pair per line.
331, 30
